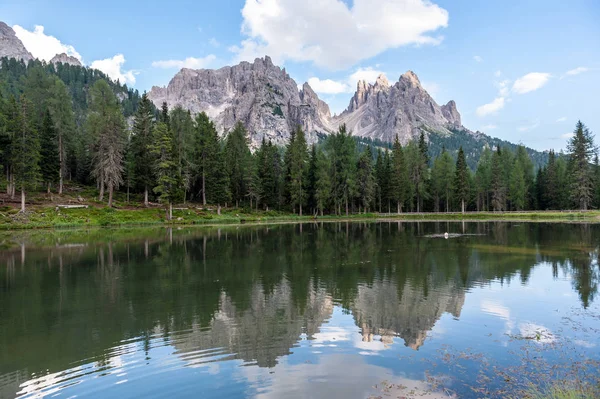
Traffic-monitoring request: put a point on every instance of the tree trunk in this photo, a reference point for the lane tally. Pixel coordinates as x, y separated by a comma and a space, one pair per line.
48, 189
23, 200
203, 188
61, 164
219, 209
101, 195
128, 193
321, 211
462, 205
146, 196
110, 195
346, 206
300, 209
398, 207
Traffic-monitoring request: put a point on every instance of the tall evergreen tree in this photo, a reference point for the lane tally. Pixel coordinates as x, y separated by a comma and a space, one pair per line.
498, 186
322, 181
398, 179
461, 181
342, 150
107, 125
49, 160
442, 180
238, 162
205, 152
581, 150
483, 180
25, 150
141, 141
219, 182
60, 106
167, 180
297, 151
366, 179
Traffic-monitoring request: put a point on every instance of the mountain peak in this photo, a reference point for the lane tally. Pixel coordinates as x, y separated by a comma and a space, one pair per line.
382, 81
11, 46
411, 77
63, 58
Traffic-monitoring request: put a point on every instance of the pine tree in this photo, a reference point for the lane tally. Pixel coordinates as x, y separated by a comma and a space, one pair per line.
483, 180
219, 182
596, 182
269, 170
461, 180
166, 166
581, 150
342, 150
141, 141
205, 152
181, 125
442, 180
107, 126
49, 160
297, 169
498, 186
25, 151
398, 179
61, 110
323, 181
518, 186
238, 159
366, 179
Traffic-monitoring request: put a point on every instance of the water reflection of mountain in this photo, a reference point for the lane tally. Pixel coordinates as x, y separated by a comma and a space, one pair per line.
267, 329
255, 290
379, 310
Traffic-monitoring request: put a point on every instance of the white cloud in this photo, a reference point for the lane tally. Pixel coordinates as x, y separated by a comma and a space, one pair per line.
527, 128
577, 71
477, 58
369, 74
214, 42
328, 86
489, 127
530, 82
498, 73
563, 119
333, 35
112, 67
492, 107
503, 87
43, 46
190, 62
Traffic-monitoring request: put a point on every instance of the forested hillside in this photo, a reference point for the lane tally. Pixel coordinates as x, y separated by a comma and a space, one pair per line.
68, 124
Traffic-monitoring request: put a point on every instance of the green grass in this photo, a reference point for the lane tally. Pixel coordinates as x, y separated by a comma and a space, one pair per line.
562, 392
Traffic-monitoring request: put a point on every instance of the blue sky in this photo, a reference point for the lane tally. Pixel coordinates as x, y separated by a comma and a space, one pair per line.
524, 71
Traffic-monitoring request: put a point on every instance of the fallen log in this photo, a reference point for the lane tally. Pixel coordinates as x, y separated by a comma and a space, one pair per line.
71, 206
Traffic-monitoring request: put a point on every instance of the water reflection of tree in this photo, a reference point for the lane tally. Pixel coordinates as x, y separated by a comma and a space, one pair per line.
254, 290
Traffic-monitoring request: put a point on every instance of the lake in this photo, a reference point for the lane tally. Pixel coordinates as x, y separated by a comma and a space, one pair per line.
319, 310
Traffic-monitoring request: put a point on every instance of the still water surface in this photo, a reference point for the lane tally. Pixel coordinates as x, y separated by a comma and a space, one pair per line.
349, 310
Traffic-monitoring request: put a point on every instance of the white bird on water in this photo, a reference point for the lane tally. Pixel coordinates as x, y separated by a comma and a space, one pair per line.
446, 235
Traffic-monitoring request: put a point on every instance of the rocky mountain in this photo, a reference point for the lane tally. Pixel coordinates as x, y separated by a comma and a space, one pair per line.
382, 111
65, 59
270, 104
259, 94
11, 46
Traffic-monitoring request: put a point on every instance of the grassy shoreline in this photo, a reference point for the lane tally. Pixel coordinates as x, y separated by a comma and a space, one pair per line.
44, 217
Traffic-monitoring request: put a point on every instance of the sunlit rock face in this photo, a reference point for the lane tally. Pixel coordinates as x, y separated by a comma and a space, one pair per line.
11, 46
270, 104
260, 95
63, 58
382, 111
